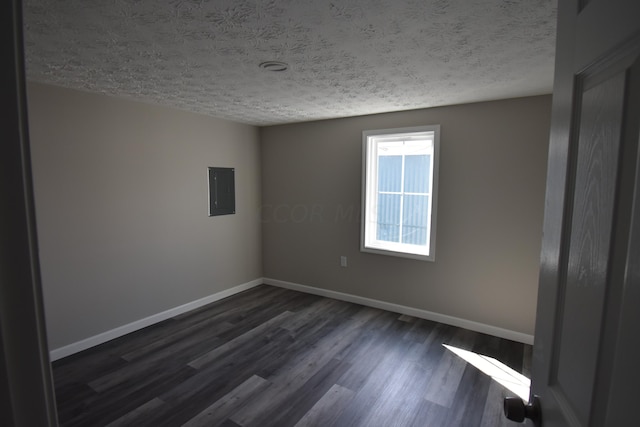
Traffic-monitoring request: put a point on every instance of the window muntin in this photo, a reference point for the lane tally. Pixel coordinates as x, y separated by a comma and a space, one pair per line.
399, 191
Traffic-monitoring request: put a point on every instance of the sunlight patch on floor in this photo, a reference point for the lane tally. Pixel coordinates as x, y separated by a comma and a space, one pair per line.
501, 373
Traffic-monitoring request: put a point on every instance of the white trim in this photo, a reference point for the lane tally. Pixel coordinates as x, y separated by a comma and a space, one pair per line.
103, 337
369, 192
410, 311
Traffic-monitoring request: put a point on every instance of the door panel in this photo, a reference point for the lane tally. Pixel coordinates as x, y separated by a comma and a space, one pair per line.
584, 321
583, 289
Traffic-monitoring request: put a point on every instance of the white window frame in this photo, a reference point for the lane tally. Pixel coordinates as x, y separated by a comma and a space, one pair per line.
368, 239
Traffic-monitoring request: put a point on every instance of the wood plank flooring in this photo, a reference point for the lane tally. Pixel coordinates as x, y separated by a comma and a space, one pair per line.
275, 357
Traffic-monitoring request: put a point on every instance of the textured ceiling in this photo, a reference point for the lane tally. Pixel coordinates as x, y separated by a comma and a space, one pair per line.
346, 57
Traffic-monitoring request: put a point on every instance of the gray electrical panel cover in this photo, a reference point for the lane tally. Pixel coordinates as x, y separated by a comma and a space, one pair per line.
222, 193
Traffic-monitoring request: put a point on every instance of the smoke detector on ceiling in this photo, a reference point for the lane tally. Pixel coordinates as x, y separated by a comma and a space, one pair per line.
274, 66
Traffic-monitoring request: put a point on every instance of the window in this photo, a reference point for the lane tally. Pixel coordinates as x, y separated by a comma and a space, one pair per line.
399, 191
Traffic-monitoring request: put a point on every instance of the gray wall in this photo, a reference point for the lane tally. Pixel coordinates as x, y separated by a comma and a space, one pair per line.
491, 199
121, 204
122, 211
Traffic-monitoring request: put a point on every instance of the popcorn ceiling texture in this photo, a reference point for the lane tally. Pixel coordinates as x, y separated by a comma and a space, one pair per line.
346, 57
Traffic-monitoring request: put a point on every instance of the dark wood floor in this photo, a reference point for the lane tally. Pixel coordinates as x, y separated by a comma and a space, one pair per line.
275, 357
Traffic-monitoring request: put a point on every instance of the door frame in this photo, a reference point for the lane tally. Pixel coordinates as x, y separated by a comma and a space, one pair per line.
26, 390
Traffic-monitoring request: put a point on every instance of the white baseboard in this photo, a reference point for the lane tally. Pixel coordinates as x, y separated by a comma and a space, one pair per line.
103, 337
86, 343
415, 312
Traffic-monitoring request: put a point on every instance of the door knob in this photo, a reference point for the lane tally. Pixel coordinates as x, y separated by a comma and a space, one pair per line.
516, 410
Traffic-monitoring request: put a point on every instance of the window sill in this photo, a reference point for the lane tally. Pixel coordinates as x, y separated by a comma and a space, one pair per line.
398, 253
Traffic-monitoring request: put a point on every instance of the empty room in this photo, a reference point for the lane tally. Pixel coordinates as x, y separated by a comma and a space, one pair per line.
321, 213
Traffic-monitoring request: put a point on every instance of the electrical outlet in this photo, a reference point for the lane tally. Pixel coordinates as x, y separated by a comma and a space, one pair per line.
343, 261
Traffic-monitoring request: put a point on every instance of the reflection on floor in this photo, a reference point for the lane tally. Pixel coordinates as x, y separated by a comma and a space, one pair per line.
498, 371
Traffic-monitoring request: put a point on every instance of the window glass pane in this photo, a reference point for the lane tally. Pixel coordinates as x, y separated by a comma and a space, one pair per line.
388, 217
389, 173
414, 219
416, 173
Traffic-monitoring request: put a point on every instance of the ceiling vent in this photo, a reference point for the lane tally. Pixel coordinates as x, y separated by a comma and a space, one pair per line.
274, 66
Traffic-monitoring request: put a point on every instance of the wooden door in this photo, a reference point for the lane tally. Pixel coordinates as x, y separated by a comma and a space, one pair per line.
588, 320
